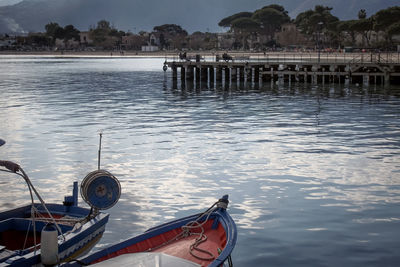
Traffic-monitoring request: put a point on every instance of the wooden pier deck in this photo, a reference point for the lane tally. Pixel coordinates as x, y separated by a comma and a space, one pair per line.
313, 68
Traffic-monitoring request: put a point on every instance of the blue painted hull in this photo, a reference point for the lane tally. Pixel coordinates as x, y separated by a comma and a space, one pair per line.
77, 240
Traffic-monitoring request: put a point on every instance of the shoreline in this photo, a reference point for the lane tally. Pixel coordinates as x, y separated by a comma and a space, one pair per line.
393, 57
108, 54
157, 53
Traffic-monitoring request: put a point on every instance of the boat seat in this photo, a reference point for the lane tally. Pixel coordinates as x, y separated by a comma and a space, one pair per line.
146, 259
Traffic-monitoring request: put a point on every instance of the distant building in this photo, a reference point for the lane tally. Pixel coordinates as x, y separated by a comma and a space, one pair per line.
67, 44
289, 35
85, 38
7, 42
133, 42
155, 39
149, 48
153, 43
375, 39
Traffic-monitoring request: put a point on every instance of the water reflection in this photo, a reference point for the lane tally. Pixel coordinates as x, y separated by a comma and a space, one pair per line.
302, 163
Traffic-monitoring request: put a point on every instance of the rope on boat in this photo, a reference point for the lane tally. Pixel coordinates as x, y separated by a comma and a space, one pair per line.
187, 230
15, 168
202, 237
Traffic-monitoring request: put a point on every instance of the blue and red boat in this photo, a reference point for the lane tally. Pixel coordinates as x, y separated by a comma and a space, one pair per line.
205, 239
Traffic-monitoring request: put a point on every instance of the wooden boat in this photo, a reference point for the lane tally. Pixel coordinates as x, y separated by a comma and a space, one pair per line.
43, 233
206, 239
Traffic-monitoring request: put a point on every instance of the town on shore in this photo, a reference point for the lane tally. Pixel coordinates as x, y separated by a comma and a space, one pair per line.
267, 29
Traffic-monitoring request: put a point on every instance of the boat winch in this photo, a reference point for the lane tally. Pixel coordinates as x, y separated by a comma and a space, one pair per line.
100, 189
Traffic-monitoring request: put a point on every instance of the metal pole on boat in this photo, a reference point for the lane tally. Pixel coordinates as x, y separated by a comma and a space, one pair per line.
98, 161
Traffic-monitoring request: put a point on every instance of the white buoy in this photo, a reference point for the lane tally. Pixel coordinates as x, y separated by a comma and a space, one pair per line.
49, 245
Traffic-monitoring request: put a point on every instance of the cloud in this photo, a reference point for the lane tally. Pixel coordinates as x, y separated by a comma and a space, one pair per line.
9, 2
10, 25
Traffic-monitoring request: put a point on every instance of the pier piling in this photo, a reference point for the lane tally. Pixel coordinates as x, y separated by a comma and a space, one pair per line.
197, 73
234, 74
227, 75
204, 74
212, 77
219, 74
183, 73
241, 74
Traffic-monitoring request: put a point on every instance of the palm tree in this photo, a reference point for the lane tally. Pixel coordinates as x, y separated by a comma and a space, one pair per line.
362, 14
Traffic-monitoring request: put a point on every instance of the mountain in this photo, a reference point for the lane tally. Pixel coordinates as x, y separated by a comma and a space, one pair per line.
136, 15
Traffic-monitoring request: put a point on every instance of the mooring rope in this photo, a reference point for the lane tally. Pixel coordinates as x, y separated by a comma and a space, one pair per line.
202, 237
187, 230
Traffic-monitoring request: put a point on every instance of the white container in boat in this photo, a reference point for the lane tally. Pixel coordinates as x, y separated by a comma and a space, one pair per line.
49, 245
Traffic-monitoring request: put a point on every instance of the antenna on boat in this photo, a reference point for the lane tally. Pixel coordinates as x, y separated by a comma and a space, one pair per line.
98, 160
100, 189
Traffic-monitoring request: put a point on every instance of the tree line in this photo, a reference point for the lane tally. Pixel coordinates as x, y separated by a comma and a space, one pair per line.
269, 19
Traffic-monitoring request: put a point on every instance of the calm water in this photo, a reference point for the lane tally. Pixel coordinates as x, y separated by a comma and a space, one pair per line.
313, 171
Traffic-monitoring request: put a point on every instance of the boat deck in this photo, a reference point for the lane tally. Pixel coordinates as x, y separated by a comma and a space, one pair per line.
166, 243
216, 241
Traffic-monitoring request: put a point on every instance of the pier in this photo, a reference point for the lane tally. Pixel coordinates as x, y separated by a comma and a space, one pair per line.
362, 68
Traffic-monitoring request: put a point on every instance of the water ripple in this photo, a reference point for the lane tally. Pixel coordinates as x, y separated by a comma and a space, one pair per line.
302, 164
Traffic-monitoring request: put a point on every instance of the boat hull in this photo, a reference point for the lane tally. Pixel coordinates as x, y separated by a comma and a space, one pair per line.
167, 239
78, 238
